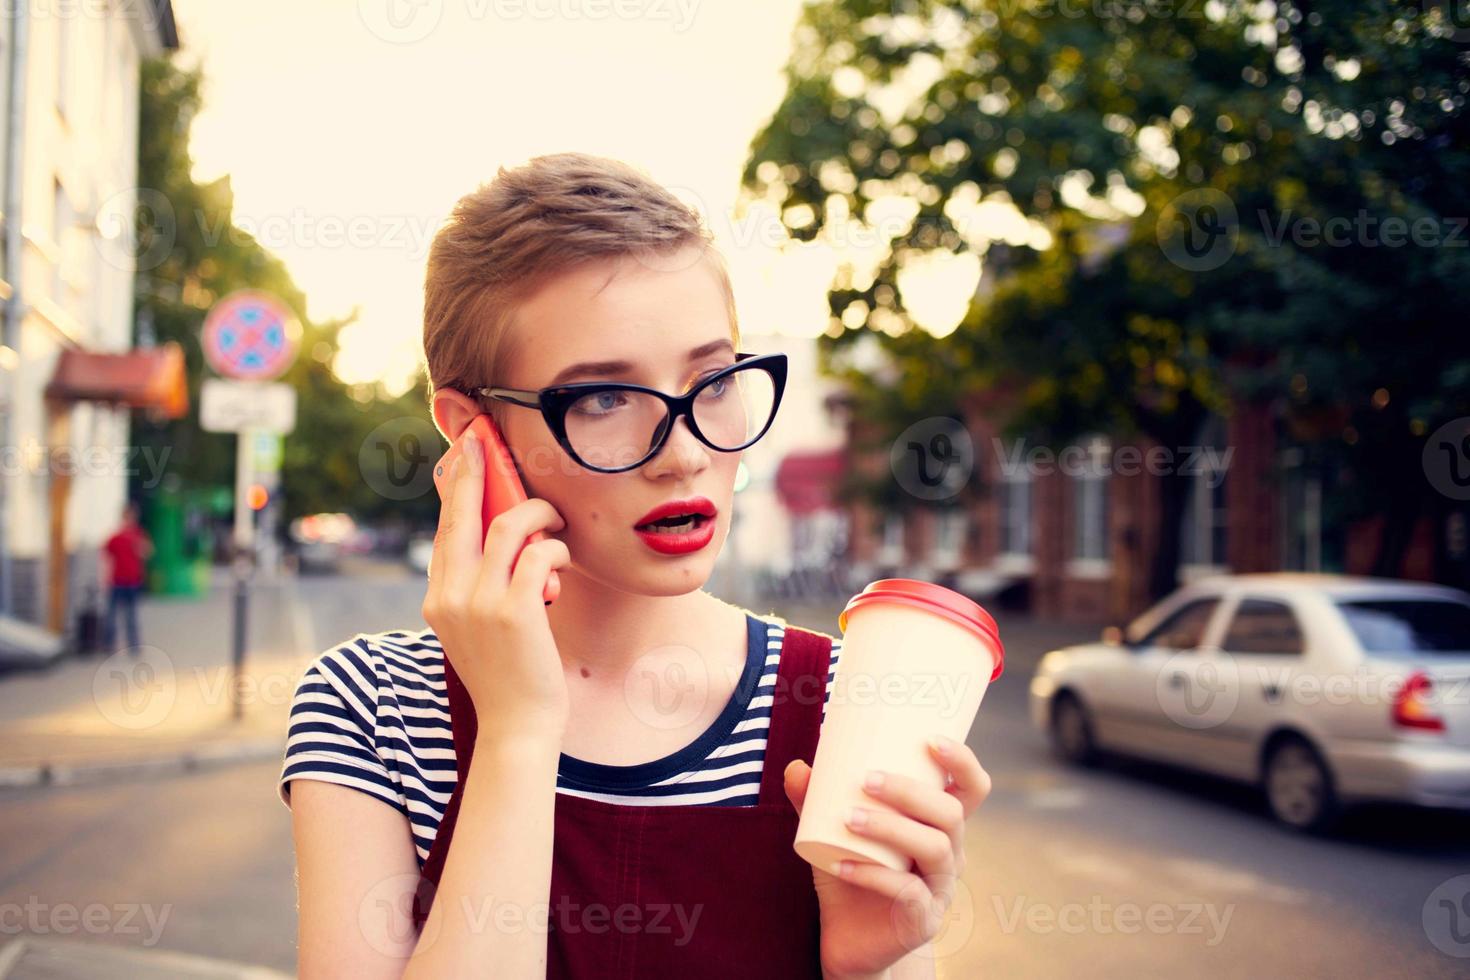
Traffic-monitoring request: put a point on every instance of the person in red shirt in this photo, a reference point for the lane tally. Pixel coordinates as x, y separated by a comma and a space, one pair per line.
126, 552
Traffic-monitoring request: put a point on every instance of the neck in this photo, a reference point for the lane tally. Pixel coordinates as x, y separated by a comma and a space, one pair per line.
605, 630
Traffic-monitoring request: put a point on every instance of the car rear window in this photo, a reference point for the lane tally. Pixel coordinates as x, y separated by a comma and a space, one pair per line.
1409, 625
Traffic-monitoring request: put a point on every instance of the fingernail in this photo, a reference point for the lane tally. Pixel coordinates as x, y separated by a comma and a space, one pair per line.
874, 780
857, 817
843, 868
940, 743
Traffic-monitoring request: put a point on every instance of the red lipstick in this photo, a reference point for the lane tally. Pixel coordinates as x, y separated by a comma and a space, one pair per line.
678, 527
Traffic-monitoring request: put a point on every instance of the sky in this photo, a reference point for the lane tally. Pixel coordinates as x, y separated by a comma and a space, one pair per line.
350, 127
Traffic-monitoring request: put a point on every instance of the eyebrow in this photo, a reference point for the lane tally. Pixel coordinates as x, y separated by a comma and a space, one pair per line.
614, 368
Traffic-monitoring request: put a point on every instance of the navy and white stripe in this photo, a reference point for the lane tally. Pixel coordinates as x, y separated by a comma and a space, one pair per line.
373, 714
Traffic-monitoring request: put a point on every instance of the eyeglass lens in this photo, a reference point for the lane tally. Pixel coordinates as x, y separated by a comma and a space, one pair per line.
618, 428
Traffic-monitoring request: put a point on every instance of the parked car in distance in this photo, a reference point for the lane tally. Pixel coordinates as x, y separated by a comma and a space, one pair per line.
1324, 690
320, 540
420, 548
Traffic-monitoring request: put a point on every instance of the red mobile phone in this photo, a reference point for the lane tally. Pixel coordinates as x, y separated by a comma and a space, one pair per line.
503, 489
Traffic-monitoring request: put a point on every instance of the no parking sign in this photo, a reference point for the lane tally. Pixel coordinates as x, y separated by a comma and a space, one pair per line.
250, 335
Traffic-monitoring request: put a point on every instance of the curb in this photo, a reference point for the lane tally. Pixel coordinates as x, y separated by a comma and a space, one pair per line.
204, 757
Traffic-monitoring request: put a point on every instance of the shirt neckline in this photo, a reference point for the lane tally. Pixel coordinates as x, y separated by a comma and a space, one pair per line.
582, 774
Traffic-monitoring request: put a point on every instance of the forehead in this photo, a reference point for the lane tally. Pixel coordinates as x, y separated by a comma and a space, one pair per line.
650, 314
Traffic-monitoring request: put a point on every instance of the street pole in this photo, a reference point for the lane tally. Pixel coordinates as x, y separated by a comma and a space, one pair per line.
243, 561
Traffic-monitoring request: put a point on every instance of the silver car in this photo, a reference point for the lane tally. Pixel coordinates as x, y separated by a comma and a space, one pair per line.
1325, 690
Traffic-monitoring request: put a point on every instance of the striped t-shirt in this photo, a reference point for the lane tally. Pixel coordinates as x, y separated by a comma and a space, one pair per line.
373, 714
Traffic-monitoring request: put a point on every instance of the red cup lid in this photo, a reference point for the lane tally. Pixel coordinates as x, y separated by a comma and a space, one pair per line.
934, 599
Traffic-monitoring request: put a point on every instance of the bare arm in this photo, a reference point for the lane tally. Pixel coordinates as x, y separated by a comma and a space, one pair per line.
492, 900
353, 889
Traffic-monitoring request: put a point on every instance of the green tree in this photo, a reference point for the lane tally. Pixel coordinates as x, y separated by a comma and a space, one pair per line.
189, 255
1177, 158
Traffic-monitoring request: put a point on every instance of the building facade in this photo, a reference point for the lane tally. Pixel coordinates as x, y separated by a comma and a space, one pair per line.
70, 134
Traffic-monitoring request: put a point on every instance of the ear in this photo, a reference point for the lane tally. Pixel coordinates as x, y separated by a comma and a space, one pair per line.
453, 411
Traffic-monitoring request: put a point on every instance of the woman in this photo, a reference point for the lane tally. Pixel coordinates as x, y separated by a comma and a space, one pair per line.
620, 771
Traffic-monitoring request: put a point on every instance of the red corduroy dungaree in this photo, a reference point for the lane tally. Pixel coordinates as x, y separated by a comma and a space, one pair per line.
731, 866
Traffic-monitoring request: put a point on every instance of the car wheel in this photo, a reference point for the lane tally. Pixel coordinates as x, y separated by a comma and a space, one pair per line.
1298, 786
1071, 731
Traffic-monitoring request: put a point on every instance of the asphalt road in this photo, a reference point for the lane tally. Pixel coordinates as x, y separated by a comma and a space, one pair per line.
1123, 871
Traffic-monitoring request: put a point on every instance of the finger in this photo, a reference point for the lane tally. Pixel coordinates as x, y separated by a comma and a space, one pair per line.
928, 847
935, 807
436, 554
882, 879
508, 531
971, 782
798, 776
460, 519
534, 566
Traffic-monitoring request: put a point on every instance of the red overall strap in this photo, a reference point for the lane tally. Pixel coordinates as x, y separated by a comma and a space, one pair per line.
796, 708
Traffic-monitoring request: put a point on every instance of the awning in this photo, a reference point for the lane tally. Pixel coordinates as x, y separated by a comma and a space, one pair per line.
150, 378
807, 482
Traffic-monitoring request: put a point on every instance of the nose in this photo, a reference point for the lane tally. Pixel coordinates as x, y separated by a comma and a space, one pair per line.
681, 455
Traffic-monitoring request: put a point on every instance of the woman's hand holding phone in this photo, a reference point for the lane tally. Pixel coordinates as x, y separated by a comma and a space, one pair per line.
491, 620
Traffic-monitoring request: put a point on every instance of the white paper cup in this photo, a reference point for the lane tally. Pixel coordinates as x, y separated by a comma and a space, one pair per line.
915, 661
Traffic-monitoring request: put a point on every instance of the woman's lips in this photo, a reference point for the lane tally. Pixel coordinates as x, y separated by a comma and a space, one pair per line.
679, 542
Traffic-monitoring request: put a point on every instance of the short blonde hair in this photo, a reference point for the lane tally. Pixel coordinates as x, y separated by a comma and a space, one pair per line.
526, 225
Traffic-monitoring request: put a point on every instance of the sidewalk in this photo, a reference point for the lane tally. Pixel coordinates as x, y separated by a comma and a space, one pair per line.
168, 706
30, 958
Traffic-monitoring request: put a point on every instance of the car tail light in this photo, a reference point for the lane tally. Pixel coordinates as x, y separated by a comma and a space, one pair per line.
1411, 705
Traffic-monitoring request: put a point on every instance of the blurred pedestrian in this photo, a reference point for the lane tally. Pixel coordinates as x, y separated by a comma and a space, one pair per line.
126, 551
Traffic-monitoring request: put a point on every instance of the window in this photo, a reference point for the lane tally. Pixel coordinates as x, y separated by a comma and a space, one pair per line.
1185, 628
1203, 534
949, 537
1409, 625
1090, 503
1014, 497
1263, 626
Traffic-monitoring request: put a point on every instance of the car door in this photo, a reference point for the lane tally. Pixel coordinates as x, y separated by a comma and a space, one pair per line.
1152, 687
1259, 661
